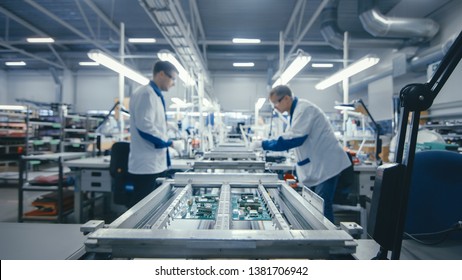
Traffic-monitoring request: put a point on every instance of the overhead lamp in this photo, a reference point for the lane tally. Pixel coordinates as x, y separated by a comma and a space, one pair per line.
260, 103
345, 107
322, 65
13, 107
243, 64
246, 41
299, 62
142, 40
40, 40
116, 66
178, 101
88, 63
15, 63
165, 55
206, 102
352, 106
349, 71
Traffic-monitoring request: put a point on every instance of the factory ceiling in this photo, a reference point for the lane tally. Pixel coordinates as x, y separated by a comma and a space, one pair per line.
203, 29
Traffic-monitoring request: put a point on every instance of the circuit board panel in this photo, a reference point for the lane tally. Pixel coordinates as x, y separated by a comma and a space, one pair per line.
249, 207
201, 204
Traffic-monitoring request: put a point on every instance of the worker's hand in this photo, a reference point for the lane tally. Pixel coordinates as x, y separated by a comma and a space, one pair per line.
255, 145
178, 145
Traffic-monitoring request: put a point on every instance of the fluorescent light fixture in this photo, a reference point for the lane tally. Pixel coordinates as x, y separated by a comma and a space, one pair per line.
165, 55
299, 62
15, 63
176, 106
322, 65
349, 71
260, 103
206, 102
178, 101
142, 40
88, 63
40, 40
345, 107
243, 64
116, 66
246, 41
13, 107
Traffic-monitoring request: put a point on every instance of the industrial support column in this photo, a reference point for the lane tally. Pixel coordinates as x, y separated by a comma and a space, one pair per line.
121, 81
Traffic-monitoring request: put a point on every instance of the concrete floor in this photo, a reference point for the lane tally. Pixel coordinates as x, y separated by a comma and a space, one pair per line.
8, 204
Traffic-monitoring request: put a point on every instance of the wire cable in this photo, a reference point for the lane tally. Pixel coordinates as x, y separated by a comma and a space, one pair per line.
445, 233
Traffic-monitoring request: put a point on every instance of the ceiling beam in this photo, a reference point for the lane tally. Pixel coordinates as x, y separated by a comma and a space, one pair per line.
57, 56
108, 21
23, 22
84, 16
5, 45
308, 26
263, 43
197, 20
65, 24
103, 16
26, 24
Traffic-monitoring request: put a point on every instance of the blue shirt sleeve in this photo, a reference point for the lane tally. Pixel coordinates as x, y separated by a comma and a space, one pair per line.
282, 144
158, 143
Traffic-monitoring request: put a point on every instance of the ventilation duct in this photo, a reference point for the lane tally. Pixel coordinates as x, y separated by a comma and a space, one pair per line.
334, 36
403, 30
419, 62
378, 25
430, 55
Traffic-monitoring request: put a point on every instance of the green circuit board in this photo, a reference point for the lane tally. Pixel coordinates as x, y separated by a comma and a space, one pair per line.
248, 207
201, 205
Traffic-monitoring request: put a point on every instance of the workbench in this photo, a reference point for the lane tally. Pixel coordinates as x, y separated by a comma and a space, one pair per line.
37, 241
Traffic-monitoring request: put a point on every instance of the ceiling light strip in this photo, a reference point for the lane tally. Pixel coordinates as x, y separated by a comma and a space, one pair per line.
246, 41
116, 66
299, 62
40, 40
351, 70
243, 64
15, 63
183, 74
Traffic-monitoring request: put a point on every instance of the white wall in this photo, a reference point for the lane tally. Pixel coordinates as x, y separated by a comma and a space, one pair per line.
240, 92
95, 91
325, 99
380, 99
36, 86
84, 90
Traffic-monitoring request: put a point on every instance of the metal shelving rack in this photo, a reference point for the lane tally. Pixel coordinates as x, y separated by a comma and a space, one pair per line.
26, 185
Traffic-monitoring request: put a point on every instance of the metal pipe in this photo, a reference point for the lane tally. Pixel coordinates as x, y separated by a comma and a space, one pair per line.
378, 25
332, 34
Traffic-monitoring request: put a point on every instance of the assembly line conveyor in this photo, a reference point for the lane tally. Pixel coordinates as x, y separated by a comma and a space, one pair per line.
220, 215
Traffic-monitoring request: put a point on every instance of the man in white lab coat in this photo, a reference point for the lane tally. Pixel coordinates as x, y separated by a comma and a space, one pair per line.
319, 157
149, 158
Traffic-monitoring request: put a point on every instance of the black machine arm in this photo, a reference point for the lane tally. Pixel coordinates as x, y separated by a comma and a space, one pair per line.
393, 181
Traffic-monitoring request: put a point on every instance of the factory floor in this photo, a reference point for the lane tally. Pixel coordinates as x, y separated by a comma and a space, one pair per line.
8, 204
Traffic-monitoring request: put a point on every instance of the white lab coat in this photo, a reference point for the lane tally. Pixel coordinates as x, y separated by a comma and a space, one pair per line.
148, 115
319, 156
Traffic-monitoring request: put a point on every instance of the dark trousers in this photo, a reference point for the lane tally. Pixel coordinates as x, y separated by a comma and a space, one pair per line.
144, 184
326, 190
